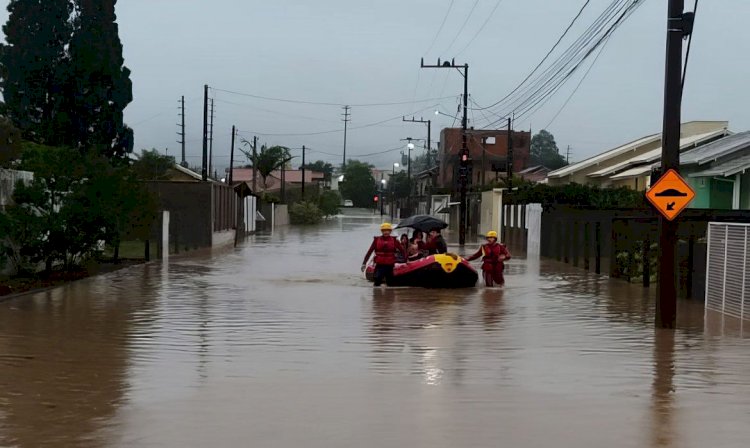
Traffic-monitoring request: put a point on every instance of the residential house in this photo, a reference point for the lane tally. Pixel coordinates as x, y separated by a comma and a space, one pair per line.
488, 151
617, 166
717, 171
273, 182
534, 174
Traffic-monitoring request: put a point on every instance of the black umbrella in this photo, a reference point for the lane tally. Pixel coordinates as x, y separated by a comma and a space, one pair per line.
423, 223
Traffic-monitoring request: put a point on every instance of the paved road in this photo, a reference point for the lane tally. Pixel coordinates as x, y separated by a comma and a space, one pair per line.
281, 343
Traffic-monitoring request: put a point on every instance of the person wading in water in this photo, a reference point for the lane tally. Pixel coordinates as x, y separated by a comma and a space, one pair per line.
493, 256
385, 248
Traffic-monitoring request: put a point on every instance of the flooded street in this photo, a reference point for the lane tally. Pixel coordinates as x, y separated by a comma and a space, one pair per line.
282, 343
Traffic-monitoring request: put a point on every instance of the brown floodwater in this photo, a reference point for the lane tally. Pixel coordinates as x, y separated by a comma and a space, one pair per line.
282, 343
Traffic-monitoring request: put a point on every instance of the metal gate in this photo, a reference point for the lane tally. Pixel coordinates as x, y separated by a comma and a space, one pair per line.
727, 281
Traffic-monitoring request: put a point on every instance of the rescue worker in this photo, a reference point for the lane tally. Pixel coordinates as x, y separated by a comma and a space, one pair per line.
493, 256
436, 243
385, 248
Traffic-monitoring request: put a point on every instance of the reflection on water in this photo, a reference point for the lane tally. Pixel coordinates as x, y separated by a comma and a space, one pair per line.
280, 342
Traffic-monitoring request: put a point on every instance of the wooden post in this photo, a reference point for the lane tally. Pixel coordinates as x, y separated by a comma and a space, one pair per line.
147, 250
576, 232
558, 240
566, 242
646, 261
690, 266
586, 245
598, 255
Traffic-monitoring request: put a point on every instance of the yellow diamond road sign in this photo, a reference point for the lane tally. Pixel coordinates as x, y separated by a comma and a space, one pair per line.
670, 194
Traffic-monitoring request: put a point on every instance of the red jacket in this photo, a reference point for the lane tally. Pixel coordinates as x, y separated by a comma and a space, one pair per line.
385, 250
491, 254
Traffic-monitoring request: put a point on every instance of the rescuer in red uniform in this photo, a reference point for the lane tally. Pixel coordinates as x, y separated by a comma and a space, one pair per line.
493, 256
385, 248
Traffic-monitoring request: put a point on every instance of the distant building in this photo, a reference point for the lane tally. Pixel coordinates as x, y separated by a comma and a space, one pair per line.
485, 144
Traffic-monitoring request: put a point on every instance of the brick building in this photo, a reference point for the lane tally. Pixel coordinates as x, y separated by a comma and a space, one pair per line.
494, 145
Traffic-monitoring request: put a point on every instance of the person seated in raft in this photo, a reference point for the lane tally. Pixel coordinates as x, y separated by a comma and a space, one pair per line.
404, 240
436, 243
493, 256
385, 248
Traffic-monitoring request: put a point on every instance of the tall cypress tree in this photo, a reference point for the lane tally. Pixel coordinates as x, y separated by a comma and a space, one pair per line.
100, 83
33, 65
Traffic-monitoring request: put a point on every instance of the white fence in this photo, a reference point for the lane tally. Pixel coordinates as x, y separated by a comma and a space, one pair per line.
727, 279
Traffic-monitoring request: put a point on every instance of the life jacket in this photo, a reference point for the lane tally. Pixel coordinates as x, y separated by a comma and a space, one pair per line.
491, 253
385, 250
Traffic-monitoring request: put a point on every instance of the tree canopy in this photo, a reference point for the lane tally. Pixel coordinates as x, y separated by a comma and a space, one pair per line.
358, 184
544, 151
35, 68
267, 160
321, 167
63, 76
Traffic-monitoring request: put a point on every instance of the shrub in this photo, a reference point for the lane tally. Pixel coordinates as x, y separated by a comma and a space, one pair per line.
577, 195
305, 213
329, 203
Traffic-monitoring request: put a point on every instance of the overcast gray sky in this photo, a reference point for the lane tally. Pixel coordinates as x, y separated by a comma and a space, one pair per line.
357, 51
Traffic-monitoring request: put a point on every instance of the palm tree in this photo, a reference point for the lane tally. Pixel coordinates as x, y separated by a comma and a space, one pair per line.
267, 160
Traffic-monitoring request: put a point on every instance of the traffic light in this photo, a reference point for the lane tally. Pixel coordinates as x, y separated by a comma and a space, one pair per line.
376, 198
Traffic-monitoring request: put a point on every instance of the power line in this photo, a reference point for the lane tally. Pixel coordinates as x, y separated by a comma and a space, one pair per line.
319, 103
585, 75
549, 83
481, 28
460, 30
544, 59
333, 131
440, 29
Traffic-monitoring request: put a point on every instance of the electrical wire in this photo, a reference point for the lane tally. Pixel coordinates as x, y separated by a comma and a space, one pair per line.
460, 30
544, 59
440, 29
333, 131
481, 28
547, 85
585, 75
689, 44
551, 73
320, 103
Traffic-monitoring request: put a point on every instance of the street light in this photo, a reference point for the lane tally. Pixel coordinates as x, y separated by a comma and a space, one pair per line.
437, 112
393, 189
383, 183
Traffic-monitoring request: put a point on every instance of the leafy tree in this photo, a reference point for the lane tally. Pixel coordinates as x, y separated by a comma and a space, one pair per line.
400, 185
267, 160
544, 151
151, 165
10, 142
358, 185
34, 67
321, 167
329, 202
99, 83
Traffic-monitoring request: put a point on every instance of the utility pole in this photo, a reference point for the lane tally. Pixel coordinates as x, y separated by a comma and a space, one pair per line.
484, 159
429, 135
679, 25
182, 130
231, 157
464, 157
347, 118
510, 153
567, 156
303, 172
211, 140
255, 168
204, 168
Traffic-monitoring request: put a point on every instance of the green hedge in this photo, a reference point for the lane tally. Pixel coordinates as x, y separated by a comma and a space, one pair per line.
578, 195
305, 213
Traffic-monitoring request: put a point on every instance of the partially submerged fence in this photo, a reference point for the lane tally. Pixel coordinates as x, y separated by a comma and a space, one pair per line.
728, 281
623, 242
